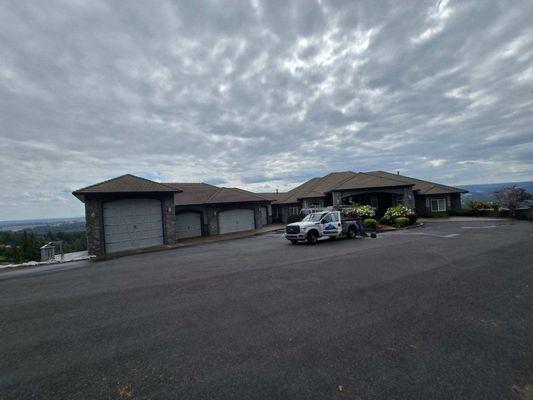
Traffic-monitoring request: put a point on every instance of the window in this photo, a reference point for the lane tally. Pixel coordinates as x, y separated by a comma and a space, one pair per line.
335, 217
314, 217
438, 205
327, 218
293, 210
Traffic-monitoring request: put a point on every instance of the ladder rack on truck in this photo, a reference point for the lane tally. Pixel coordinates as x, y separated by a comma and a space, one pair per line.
327, 223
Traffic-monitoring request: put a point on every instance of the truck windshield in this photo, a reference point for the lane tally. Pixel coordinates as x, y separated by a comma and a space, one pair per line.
315, 217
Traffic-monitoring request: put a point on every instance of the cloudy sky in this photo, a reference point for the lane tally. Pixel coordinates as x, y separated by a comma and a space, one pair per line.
260, 95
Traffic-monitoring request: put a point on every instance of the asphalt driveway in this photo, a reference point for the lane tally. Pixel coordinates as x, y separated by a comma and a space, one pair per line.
440, 312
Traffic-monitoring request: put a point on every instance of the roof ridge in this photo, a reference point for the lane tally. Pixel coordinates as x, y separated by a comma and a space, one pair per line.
247, 192
100, 183
347, 179
213, 194
435, 184
392, 179
422, 180
122, 176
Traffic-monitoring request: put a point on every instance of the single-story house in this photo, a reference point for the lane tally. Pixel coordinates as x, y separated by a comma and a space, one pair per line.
376, 188
129, 212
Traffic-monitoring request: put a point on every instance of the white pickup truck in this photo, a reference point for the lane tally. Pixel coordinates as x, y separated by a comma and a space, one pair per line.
332, 224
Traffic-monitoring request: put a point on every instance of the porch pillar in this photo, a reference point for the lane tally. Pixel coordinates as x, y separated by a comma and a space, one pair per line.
408, 198
337, 199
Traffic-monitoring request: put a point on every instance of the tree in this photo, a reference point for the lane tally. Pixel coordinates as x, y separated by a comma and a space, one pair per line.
511, 197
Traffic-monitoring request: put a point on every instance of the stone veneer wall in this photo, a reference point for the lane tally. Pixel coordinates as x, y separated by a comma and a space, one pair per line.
169, 219
94, 226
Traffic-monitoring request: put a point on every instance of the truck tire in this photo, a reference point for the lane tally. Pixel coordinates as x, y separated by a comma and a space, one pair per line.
312, 238
351, 233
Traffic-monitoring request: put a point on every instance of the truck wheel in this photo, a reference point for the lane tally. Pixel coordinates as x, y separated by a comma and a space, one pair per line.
351, 233
312, 237
294, 241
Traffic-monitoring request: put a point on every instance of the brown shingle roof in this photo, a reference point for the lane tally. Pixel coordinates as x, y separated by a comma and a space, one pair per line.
215, 195
274, 196
363, 180
293, 195
125, 184
316, 187
190, 185
328, 183
423, 187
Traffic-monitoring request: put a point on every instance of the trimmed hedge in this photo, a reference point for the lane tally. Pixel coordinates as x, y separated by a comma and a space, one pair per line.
401, 222
370, 223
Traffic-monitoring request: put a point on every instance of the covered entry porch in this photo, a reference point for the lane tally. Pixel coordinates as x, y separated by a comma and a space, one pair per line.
380, 198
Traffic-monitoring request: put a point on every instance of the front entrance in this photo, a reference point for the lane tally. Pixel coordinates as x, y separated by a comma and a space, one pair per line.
380, 201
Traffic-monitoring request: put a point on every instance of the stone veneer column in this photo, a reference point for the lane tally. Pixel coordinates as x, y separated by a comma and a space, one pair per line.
408, 198
337, 199
169, 219
94, 225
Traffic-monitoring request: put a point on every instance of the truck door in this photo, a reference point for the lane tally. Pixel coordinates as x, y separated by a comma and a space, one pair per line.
331, 224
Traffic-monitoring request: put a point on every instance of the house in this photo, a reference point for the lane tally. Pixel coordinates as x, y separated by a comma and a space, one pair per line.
129, 212
377, 188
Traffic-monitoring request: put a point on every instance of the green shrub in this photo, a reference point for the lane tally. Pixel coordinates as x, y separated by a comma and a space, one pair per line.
482, 207
370, 223
401, 222
399, 211
360, 211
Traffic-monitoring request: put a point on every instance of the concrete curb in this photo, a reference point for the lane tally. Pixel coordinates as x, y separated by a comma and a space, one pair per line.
393, 229
213, 239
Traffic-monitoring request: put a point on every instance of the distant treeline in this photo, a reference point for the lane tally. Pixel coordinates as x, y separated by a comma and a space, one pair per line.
25, 246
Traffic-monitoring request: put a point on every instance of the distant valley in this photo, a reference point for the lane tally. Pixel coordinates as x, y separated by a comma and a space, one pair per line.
486, 191
42, 226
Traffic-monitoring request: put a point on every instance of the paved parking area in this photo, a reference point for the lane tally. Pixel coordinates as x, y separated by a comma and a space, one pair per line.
440, 312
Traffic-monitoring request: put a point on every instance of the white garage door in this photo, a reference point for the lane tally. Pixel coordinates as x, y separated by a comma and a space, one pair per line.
132, 224
235, 221
188, 224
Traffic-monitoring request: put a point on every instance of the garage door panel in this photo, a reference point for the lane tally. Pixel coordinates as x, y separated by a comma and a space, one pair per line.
188, 224
132, 223
236, 220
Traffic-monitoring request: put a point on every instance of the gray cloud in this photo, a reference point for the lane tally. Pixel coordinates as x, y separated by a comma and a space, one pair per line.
261, 95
